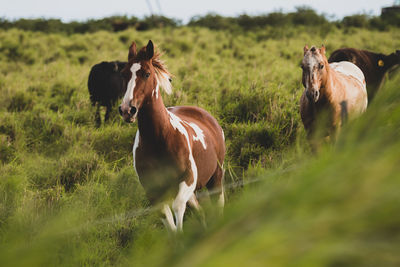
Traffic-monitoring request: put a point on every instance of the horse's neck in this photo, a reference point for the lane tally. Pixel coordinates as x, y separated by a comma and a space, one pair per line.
327, 89
153, 120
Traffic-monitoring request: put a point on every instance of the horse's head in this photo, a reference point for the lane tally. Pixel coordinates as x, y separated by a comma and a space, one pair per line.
314, 71
144, 73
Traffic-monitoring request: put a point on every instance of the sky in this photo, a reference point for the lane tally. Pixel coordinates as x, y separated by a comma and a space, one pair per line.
68, 10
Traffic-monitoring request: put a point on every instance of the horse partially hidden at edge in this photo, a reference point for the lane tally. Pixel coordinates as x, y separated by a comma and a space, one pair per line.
106, 85
333, 92
177, 150
373, 65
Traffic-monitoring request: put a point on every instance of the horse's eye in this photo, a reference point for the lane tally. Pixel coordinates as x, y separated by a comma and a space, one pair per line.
321, 66
147, 74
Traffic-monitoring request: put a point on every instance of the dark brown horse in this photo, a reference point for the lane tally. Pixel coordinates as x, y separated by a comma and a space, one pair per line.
177, 150
335, 90
373, 65
106, 85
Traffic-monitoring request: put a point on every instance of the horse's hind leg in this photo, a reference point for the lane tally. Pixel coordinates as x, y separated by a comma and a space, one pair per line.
216, 187
169, 218
108, 110
97, 116
194, 203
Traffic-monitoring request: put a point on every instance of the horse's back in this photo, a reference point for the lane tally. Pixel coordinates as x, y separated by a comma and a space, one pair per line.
198, 116
199, 119
349, 69
356, 92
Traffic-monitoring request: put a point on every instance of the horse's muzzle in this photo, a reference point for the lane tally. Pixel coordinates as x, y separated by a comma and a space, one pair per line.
312, 95
128, 115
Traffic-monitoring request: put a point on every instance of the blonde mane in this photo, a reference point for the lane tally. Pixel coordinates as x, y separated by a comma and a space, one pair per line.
162, 74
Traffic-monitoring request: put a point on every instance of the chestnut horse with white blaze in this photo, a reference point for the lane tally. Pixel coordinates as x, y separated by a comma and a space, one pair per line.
177, 150
336, 90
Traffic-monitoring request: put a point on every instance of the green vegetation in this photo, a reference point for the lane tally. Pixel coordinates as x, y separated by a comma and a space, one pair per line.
69, 195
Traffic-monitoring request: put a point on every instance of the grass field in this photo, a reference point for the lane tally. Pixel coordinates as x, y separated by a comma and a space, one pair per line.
69, 195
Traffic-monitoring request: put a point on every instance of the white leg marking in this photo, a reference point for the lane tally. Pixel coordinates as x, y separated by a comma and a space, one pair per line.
135, 146
169, 219
221, 199
179, 205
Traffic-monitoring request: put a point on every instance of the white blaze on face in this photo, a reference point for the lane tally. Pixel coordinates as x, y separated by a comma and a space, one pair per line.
309, 63
131, 85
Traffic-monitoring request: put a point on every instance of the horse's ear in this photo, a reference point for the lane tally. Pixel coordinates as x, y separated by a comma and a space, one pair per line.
149, 50
132, 51
305, 49
322, 50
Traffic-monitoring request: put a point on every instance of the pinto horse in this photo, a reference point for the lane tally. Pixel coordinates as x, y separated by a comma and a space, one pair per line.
177, 150
333, 92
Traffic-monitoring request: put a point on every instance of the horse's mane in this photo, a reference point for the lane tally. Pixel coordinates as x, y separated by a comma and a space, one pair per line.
162, 74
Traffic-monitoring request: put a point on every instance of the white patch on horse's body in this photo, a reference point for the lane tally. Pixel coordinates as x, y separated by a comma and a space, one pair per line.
349, 69
185, 191
223, 135
135, 146
131, 84
177, 124
199, 134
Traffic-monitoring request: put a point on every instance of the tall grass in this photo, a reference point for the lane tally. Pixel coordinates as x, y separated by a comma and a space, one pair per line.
69, 195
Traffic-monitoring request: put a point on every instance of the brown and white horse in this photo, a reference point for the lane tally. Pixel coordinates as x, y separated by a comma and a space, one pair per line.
336, 90
177, 150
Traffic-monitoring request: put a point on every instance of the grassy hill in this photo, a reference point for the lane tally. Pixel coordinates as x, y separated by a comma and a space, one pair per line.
69, 194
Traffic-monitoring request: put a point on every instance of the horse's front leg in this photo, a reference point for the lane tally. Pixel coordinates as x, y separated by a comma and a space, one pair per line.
179, 205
